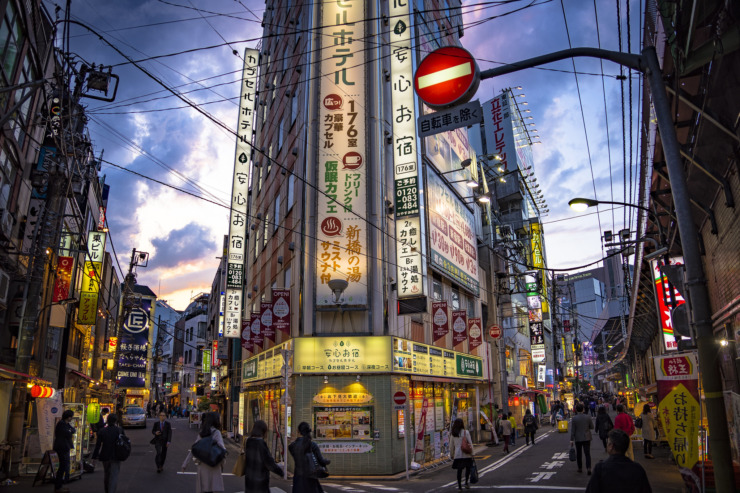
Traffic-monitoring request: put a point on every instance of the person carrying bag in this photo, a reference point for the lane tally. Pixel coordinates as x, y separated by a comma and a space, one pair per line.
310, 465
258, 461
208, 449
460, 441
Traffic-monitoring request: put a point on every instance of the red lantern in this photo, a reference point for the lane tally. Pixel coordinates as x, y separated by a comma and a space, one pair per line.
516, 401
41, 392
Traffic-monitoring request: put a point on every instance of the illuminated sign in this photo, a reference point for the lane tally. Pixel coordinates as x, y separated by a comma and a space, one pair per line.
339, 354
236, 247
206, 360
342, 154
664, 294
90, 286
267, 364
537, 259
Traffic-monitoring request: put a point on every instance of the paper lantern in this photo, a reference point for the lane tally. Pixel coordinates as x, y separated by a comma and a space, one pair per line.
41, 392
516, 401
93, 412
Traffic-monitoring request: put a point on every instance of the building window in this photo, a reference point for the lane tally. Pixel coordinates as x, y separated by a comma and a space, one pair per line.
293, 108
281, 131
268, 166
11, 39
287, 277
471, 306
455, 301
291, 188
277, 213
437, 289
266, 232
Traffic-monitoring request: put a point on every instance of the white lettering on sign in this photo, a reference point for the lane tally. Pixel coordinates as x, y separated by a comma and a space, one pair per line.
446, 75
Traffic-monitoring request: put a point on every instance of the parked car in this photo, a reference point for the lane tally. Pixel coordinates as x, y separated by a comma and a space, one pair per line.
134, 416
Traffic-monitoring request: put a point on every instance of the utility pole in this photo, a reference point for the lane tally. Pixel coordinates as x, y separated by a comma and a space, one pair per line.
127, 296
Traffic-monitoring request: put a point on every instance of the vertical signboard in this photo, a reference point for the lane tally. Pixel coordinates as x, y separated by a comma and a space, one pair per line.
342, 159
221, 314
257, 338
537, 260
459, 327
409, 265
668, 299
499, 131
475, 333
239, 192
281, 310
247, 335
63, 280
206, 361
440, 319
88, 311
134, 346
678, 405
268, 331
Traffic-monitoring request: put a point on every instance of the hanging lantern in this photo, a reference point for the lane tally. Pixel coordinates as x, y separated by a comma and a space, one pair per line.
41, 392
93, 412
516, 401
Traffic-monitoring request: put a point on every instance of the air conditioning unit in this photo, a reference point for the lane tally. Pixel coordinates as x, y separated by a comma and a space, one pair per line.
4, 287
6, 224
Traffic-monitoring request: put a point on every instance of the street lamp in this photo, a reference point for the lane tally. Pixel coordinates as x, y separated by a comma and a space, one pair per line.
581, 204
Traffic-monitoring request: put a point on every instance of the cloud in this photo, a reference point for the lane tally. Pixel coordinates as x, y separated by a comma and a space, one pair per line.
183, 245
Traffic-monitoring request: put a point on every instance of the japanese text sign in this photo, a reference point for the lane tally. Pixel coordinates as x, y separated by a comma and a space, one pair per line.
668, 298
459, 327
475, 333
134, 345
281, 310
440, 320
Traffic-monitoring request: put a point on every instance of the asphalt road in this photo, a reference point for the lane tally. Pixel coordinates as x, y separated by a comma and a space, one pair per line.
538, 468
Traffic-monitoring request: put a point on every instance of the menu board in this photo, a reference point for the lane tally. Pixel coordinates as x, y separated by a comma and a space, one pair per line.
422, 359
343, 423
267, 364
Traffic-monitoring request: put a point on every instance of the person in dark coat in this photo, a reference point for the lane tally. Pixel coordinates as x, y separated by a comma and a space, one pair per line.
530, 425
105, 451
298, 449
580, 435
604, 425
63, 443
618, 474
162, 431
258, 461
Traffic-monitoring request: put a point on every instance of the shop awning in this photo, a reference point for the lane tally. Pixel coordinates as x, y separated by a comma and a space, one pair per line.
81, 375
522, 390
11, 374
516, 388
648, 389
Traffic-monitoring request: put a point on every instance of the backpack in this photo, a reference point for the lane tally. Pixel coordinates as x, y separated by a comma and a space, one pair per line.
638, 423
122, 447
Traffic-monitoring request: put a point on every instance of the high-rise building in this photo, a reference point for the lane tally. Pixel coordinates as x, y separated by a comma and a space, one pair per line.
363, 284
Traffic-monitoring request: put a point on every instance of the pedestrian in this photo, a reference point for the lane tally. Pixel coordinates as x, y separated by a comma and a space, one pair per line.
580, 435
618, 473
506, 432
624, 422
592, 407
208, 479
649, 431
162, 431
604, 425
106, 453
461, 460
63, 443
513, 428
149, 409
101, 422
298, 449
530, 426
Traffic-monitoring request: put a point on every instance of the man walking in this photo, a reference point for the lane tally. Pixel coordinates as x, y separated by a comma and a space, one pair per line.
162, 431
618, 473
580, 435
506, 432
530, 426
105, 451
63, 443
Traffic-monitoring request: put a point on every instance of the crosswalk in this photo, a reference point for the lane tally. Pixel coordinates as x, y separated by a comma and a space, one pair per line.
363, 487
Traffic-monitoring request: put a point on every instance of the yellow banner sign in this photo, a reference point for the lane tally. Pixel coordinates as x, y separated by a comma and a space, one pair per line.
679, 414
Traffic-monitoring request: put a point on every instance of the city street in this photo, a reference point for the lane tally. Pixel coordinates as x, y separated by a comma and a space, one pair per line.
544, 466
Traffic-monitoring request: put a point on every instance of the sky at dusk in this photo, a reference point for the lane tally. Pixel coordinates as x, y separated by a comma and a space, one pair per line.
149, 131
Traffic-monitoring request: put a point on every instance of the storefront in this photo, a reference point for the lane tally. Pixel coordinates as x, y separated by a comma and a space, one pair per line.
344, 387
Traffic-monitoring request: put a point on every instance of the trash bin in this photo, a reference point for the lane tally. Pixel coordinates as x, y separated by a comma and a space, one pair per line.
562, 426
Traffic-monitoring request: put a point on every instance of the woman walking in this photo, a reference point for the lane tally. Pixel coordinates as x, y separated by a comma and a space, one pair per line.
649, 431
259, 462
302, 483
461, 460
624, 422
604, 425
530, 426
209, 479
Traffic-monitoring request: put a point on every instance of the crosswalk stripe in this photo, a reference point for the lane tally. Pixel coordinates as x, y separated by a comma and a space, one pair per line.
377, 487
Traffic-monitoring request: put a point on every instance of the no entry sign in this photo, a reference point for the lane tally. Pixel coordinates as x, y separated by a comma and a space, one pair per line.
494, 331
446, 77
399, 398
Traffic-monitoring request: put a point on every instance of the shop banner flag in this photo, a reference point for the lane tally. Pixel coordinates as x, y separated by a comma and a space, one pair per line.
419, 447
63, 280
440, 319
678, 405
281, 310
247, 335
459, 327
268, 331
257, 338
475, 334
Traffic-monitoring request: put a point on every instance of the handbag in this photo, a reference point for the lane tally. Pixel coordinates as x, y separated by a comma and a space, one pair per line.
474, 473
572, 454
208, 451
240, 465
314, 469
465, 446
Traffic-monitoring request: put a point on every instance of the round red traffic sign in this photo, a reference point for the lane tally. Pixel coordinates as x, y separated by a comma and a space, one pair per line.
446, 77
494, 331
399, 398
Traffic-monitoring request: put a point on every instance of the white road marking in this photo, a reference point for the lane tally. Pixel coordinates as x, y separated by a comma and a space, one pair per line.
501, 462
342, 487
553, 464
541, 475
192, 473
534, 487
377, 487
562, 455
445, 75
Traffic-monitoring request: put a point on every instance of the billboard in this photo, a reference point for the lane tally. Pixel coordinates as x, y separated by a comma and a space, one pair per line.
665, 295
133, 344
342, 158
454, 250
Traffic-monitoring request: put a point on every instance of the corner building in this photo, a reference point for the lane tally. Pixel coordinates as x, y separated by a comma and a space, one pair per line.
362, 273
